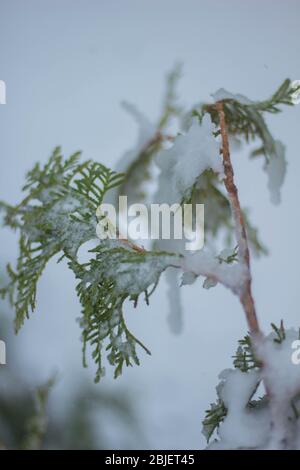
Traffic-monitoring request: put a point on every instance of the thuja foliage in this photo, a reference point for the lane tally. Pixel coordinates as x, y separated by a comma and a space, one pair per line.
245, 361
58, 216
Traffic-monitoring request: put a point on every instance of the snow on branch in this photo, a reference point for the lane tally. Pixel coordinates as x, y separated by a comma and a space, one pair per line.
58, 215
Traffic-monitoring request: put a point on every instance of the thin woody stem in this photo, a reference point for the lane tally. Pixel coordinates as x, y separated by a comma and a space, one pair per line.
246, 297
132, 245
135, 247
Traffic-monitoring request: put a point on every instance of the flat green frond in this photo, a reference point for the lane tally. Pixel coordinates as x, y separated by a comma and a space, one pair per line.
114, 275
213, 418
279, 331
245, 118
58, 215
282, 96
31, 263
244, 358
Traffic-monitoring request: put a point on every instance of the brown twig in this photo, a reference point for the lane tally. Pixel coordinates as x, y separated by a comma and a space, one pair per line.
129, 243
246, 297
135, 247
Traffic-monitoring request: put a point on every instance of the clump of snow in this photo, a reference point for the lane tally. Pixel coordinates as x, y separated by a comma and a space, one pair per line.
190, 155
282, 379
135, 277
296, 95
223, 94
271, 422
242, 427
188, 278
205, 263
209, 283
71, 233
281, 374
276, 170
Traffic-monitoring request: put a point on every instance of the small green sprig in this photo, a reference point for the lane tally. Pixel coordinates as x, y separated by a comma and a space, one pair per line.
57, 216
213, 418
279, 331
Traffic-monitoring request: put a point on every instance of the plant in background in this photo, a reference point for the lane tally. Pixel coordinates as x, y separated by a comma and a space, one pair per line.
29, 418
58, 215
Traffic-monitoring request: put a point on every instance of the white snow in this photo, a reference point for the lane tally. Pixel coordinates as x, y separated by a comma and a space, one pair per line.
136, 277
190, 155
276, 170
223, 94
296, 95
282, 378
271, 424
241, 428
205, 263
188, 278
280, 373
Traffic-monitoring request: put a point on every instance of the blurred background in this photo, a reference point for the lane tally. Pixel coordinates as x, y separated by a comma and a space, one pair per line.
67, 65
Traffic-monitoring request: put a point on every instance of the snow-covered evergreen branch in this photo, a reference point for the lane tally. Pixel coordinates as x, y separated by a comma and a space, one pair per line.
58, 215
